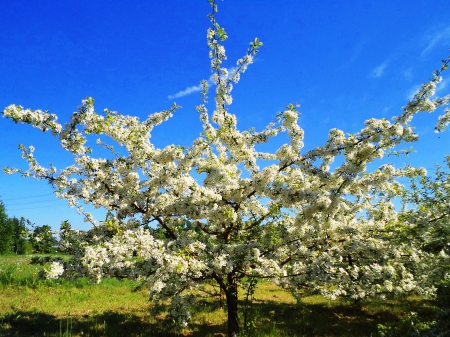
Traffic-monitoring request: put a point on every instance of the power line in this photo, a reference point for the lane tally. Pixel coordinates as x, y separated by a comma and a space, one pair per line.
27, 197
32, 202
21, 209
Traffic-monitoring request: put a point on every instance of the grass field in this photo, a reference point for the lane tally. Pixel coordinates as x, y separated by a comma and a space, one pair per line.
29, 307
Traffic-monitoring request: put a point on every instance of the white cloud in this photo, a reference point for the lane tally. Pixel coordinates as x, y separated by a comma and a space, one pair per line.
386, 109
408, 74
378, 71
187, 91
412, 92
439, 87
442, 85
441, 37
196, 88
355, 53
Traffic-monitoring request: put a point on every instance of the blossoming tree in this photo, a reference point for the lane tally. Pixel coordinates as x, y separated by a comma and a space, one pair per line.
425, 220
206, 218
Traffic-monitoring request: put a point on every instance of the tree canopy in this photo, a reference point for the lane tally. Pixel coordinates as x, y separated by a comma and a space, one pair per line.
13, 233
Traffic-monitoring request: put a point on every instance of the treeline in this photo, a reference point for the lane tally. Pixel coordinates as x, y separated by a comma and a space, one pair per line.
21, 236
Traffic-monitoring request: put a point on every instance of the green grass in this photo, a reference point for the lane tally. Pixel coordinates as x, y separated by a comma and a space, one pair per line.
30, 307
15, 270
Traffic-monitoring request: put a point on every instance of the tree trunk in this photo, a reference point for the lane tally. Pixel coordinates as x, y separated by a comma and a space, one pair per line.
231, 294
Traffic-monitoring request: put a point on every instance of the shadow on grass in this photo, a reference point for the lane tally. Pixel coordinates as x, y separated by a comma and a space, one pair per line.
333, 318
316, 320
29, 323
108, 324
270, 319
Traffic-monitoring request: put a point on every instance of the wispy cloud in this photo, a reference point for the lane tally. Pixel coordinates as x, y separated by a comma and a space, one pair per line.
197, 88
441, 37
185, 92
442, 85
355, 53
439, 87
412, 91
386, 109
379, 71
408, 74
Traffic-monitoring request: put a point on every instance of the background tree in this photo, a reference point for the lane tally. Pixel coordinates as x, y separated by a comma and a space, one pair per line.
6, 231
221, 211
424, 223
13, 234
426, 220
21, 244
42, 239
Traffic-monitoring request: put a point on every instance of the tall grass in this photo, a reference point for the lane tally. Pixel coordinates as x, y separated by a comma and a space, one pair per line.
113, 308
15, 270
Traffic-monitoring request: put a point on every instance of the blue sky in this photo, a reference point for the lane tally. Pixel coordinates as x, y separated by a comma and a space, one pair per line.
343, 61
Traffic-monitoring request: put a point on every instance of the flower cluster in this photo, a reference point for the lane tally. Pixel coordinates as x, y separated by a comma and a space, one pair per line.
55, 270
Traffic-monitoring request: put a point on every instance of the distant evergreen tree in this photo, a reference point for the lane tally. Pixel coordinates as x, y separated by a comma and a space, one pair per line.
20, 235
13, 234
6, 231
